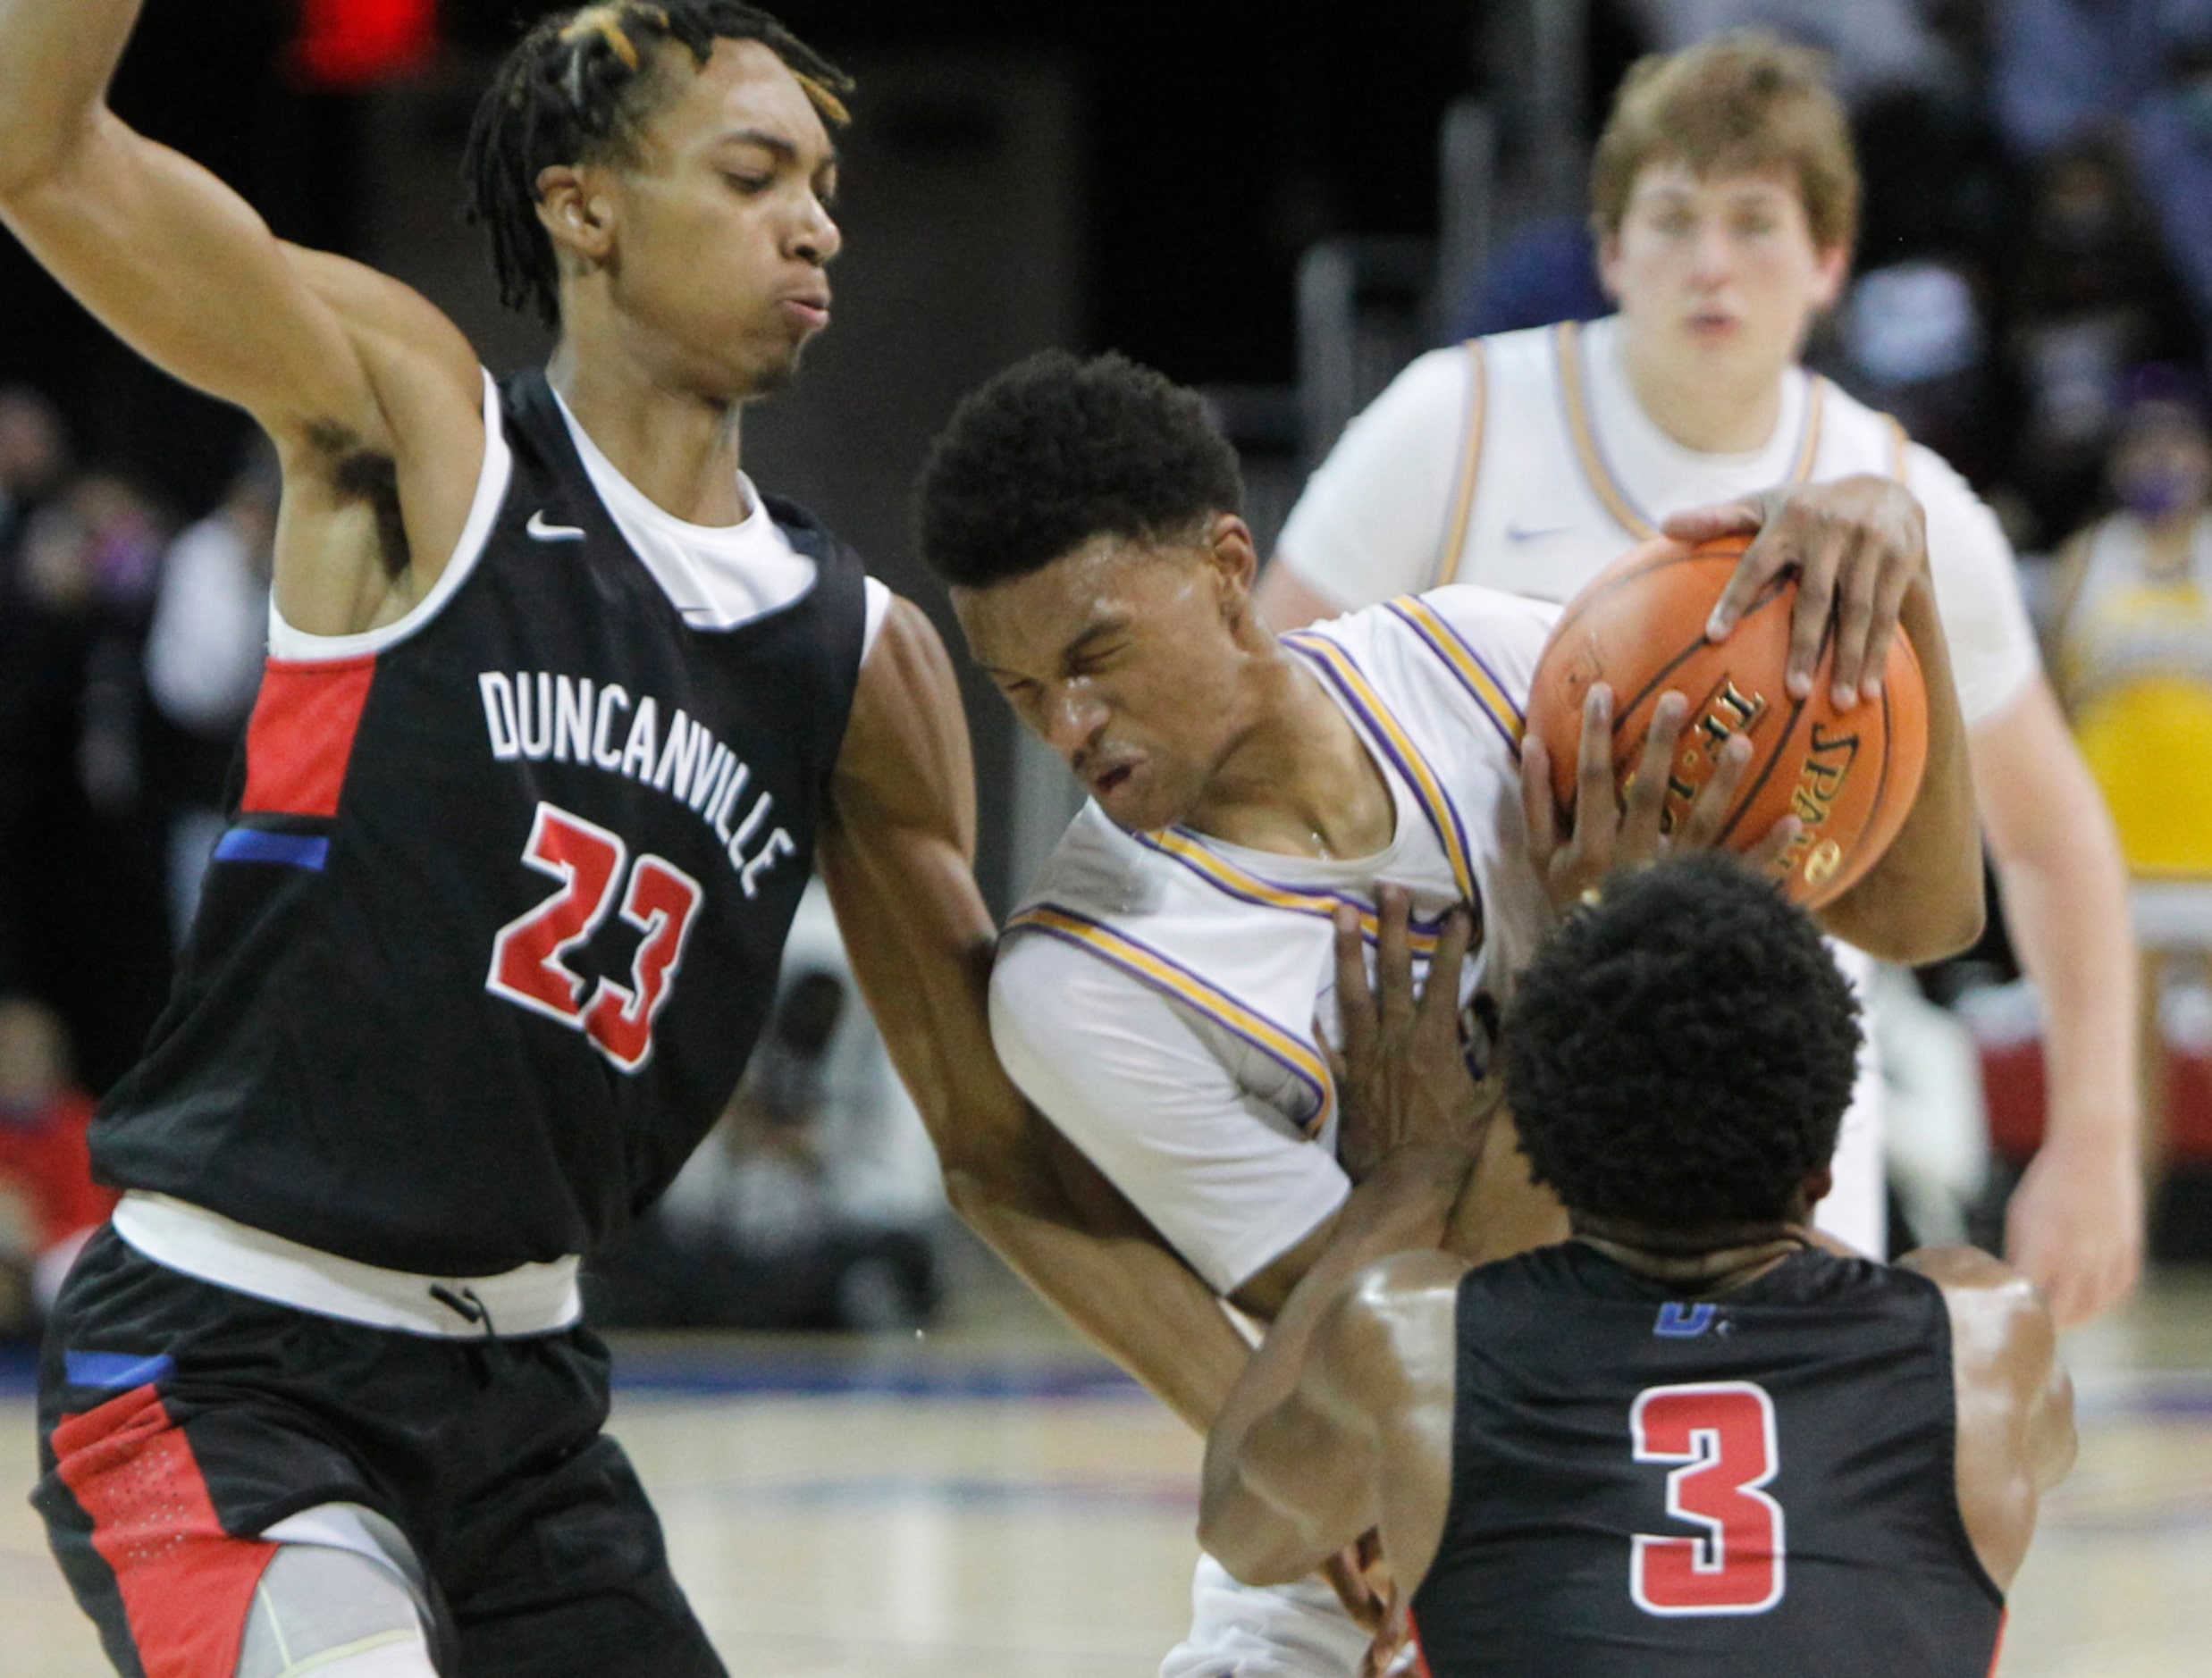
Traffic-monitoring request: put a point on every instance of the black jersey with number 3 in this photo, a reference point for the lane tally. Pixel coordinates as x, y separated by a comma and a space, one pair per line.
1756, 1485
498, 917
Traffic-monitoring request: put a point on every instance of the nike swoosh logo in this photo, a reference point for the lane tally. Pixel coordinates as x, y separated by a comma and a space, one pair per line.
543, 531
1525, 533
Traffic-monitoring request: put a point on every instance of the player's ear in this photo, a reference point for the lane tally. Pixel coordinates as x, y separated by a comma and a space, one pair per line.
1832, 271
576, 211
1234, 558
1817, 1187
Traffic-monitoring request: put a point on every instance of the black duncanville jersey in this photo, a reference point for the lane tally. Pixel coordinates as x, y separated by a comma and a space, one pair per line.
498, 917
1754, 1485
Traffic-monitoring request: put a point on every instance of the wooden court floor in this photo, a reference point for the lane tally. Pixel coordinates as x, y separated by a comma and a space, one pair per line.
991, 1502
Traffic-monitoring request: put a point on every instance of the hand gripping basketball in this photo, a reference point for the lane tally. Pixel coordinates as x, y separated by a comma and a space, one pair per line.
1696, 742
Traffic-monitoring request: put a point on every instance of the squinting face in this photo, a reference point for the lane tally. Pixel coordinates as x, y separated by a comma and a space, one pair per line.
722, 222
1124, 658
1718, 276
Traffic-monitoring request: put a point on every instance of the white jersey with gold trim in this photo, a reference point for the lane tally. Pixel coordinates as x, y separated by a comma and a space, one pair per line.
1525, 462
1157, 995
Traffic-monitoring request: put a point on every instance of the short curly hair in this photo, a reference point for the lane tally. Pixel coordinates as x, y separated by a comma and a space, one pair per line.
1681, 1051
1055, 450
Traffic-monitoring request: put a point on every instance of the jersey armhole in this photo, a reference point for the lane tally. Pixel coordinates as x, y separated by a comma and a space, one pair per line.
297, 646
876, 598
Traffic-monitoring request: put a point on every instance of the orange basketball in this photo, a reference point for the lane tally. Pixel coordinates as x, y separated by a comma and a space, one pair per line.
1849, 776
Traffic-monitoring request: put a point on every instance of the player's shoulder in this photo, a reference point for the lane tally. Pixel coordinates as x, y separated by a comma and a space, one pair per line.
1454, 627
1998, 1317
1096, 869
1528, 351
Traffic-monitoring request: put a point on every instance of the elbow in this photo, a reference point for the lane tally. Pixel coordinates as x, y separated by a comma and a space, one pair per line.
1235, 1534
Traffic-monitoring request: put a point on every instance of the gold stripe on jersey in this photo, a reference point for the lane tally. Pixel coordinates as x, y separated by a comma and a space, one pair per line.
1470, 464
1163, 973
1900, 441
1567, 347
1385, 730
1464, 662
1218, 872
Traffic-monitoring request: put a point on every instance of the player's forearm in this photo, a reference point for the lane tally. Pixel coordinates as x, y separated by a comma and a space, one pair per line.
1116, 1287
1924, 900
55, 59
1281, 1489
2065, 906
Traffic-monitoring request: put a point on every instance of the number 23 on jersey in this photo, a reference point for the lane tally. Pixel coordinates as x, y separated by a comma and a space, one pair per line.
528, 954
1719, 1438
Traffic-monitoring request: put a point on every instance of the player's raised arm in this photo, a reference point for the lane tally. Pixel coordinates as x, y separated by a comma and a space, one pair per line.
898, 860
330, 357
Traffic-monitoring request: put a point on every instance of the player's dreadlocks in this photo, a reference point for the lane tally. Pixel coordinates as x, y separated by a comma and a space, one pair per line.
1055, 450
1681, 1053
577, 89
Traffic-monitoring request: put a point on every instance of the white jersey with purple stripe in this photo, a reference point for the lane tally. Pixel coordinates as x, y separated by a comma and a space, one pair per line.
1157, 995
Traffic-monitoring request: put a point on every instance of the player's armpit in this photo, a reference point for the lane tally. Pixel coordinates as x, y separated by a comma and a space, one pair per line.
2014, 1400
896, 856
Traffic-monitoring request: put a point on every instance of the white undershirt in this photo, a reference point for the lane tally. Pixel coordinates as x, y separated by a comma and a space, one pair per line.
717, 575
1661, 475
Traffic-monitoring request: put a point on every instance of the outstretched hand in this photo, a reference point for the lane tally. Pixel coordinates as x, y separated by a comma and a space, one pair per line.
1402, 1073
1857, 545
1609, 830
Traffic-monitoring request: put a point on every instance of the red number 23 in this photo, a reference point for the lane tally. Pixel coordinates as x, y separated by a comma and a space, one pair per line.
528, 955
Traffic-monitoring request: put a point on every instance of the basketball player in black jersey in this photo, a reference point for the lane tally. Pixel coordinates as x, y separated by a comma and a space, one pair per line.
1691, 1438
559, 715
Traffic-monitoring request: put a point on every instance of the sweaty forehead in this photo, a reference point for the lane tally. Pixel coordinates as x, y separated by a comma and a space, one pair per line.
1036, 618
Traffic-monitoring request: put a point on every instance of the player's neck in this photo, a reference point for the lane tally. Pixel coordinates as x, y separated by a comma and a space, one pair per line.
1706, 1261
681, 451
1706, 408
1299, 782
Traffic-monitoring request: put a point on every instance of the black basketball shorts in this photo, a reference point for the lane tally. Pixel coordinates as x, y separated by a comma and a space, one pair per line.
177, 1420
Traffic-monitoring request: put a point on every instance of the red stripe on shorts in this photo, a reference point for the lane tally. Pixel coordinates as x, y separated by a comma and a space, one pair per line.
301, 736
186, 1585
1413, 1636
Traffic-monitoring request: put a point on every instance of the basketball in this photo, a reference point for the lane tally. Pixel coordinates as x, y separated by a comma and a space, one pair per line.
1849, 776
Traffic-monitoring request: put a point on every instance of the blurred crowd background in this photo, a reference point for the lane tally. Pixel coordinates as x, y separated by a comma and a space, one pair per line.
1281, 203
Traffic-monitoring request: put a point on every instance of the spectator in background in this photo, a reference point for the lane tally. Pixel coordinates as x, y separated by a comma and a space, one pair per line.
81, 877
49, 1202
2094, 296
34, 459
203, 654
762, 1229
2131, 639
2140, 71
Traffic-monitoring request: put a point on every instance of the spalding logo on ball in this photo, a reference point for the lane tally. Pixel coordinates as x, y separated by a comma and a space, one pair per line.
1849, 776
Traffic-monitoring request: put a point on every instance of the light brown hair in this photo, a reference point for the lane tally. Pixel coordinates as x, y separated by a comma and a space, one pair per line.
1742, 102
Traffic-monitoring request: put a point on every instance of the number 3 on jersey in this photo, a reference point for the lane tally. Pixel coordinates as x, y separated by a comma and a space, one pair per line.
527, 965
1720, 1434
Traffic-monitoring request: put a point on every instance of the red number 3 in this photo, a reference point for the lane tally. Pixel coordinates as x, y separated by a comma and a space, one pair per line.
528, 955
1721, 1436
